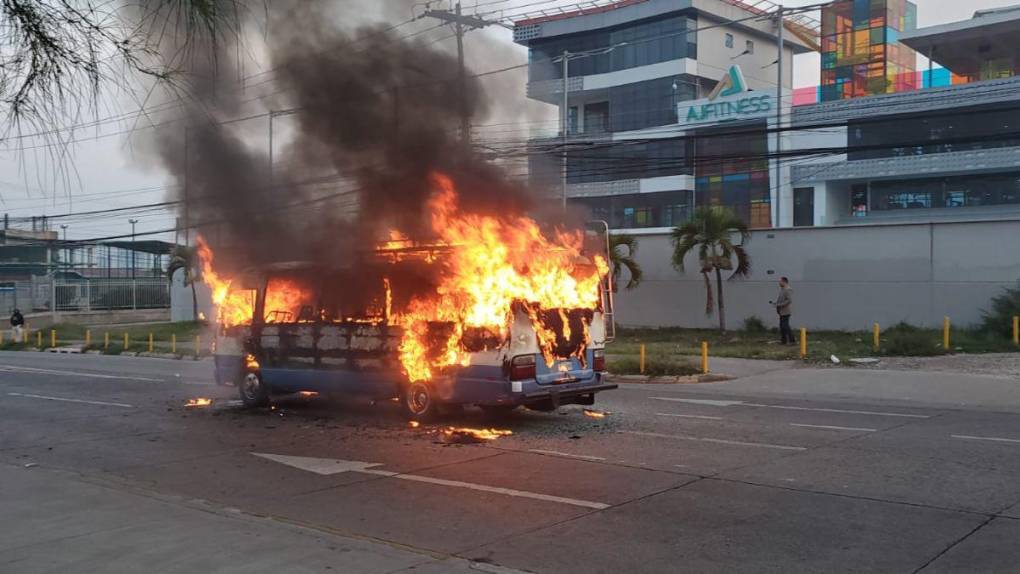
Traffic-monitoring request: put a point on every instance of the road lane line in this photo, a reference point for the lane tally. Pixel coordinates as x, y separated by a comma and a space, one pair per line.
566, 454
831, 427
32, 370
329, 466
27, 396
707, 418
700, 401
988, 438
788, 407
715, 440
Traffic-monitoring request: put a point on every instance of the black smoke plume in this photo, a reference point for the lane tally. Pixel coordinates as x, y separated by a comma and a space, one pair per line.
373, 116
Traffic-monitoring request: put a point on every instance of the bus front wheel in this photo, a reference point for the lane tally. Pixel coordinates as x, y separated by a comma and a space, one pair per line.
253, 390
419, 402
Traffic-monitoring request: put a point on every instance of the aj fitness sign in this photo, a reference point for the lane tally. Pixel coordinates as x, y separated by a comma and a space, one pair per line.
730, 100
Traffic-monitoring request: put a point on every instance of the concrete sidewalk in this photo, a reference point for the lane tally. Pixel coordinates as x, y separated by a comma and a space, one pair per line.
56, 521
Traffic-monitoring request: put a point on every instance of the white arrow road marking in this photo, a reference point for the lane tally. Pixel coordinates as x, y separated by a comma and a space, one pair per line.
328, 466
323, 466
989, 438
787, 407
122, 405
715, 440
32, 370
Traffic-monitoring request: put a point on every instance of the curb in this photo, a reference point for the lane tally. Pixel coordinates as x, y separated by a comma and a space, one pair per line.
678, 380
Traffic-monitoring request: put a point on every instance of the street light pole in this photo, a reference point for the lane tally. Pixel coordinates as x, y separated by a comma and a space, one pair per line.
64, 229
132, 222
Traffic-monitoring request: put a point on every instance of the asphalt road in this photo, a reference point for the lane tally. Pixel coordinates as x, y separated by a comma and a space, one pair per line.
103, 468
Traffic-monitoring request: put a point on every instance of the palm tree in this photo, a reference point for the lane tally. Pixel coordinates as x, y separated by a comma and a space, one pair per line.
622, 250
711, 232
186, 258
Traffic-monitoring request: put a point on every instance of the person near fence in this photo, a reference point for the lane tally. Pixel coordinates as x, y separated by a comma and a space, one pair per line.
784, 306
17, 324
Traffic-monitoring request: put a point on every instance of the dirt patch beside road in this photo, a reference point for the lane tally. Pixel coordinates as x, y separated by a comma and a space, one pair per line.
1002, 364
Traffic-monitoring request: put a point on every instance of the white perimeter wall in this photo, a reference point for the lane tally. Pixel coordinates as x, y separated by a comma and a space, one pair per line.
843, 277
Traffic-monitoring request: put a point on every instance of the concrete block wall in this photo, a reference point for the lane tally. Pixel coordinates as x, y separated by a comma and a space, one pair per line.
843, 277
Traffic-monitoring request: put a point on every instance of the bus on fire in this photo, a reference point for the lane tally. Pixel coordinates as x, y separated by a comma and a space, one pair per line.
360, 329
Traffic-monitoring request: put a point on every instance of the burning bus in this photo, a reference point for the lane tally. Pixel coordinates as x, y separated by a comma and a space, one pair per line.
491, 311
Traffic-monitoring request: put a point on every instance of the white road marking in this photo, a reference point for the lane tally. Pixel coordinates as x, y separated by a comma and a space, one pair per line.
566, 454
788, 407
122, 405
830, 427
988, 438
700, 401
707, 418
199, 383
328, 466
715, 440
32, 370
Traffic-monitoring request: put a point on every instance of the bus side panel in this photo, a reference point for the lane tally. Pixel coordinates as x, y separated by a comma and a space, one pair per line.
373, 383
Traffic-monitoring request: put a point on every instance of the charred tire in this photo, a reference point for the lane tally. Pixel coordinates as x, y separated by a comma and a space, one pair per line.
497, 412
419, 402
253, 391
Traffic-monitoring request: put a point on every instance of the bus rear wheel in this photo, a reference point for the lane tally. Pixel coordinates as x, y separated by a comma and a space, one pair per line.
419, 402
253, 391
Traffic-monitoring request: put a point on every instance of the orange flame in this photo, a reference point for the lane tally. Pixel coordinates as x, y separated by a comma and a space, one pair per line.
476, 434
200, 402
492, 263
595, 414
232, 307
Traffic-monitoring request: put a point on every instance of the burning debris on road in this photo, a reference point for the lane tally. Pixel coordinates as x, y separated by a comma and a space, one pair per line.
596, 414
199, 402
463, 435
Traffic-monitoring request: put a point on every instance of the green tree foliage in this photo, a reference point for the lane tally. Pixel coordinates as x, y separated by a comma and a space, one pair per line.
622, 250
711, 235
999, 319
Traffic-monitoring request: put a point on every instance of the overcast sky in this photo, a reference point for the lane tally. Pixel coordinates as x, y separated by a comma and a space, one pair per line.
111, 174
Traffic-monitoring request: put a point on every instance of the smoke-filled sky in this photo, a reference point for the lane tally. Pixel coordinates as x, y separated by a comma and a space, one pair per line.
112, 164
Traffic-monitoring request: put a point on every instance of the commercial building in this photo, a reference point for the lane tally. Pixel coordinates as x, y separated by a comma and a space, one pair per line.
637, 70
897, 189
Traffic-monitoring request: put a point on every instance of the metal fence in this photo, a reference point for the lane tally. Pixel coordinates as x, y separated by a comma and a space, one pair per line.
84, 295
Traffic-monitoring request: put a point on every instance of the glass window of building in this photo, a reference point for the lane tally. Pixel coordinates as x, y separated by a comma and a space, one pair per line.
976, 190
642, 210
729, 40
646, 42
979, 127
596, 117
750, 47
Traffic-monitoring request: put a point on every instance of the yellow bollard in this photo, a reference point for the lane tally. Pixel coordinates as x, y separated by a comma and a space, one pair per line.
150, 342
198, 346
53, 337
38, 339
641, 363
704, 357
1016, 331
1, 337
945, 333
803, 342
173, 343
875, 337
88, 337
127, 342
106, 341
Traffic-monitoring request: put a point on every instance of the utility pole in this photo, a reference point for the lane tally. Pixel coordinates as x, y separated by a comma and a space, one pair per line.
565, 121
462, 24
779, 118
187, 220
